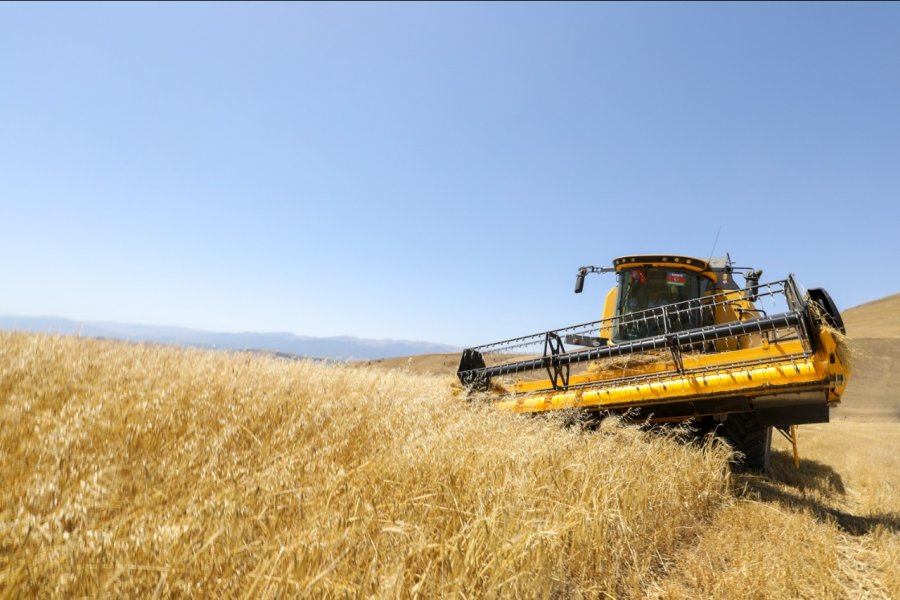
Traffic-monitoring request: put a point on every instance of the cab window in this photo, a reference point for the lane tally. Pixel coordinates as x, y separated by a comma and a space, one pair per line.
649, 289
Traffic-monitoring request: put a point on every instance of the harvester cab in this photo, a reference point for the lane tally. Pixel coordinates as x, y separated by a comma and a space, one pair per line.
680, 339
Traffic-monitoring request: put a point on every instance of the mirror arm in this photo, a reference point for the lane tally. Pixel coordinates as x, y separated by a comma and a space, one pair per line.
582, 273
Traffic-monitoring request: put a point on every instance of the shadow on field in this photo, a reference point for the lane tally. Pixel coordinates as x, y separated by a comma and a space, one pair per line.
793, 488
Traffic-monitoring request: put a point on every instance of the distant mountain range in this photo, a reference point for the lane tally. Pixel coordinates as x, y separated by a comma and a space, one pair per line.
339, 348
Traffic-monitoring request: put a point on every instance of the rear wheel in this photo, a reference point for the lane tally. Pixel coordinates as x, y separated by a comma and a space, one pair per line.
751, 438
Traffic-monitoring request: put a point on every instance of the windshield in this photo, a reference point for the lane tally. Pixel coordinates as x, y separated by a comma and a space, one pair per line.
652, 288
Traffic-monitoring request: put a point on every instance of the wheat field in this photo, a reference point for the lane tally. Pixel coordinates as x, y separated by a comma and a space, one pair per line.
150, 471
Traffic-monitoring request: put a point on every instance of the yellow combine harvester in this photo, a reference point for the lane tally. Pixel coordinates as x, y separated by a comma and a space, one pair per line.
679, 339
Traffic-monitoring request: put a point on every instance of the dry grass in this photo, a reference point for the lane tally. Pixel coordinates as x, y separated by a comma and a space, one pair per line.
828, 530
137, 471
848, 352
626, 361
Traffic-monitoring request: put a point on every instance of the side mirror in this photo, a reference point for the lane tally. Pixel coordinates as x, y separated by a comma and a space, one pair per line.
753, 283
579, 282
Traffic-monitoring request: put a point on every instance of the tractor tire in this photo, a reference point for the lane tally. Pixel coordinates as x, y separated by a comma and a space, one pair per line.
751, 438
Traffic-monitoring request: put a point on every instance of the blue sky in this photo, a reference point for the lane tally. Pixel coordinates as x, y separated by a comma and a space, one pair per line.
434, 171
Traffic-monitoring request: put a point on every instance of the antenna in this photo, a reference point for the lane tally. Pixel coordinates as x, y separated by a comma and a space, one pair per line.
714, 244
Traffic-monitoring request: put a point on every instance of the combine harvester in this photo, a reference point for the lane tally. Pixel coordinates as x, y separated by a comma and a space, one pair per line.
679, 340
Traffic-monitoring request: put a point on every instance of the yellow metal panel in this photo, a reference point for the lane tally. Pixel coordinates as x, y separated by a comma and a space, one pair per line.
823, 369
691, 361
609, 311
749, 381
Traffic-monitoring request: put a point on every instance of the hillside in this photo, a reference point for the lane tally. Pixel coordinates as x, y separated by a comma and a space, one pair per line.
134, 470
874, 330
877, 319
444, 363
338, 347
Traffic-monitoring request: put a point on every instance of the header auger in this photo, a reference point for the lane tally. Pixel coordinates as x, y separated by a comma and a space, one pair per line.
679, 339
